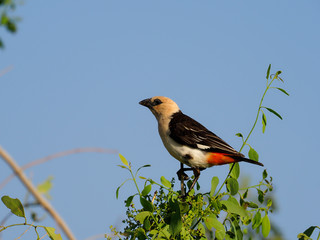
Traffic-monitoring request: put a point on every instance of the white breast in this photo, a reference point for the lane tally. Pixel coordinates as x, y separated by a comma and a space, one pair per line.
178, 151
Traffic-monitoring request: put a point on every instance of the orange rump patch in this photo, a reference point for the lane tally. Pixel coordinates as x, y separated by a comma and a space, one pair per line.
219, 159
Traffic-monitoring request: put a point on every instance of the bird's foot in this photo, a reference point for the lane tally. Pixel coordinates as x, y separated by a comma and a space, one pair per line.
182, 175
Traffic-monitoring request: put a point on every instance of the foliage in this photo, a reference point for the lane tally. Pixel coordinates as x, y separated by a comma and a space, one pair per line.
7, 21
161, 212
306, 235
17, 209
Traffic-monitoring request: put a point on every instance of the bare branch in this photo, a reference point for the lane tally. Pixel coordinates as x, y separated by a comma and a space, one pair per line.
33, 190
57, 155
6, 70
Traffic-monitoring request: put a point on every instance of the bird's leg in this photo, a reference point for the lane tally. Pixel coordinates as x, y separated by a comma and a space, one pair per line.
196, 173
182, 176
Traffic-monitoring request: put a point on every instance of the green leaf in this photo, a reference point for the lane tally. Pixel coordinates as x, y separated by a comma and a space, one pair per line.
201, 228
129, 200
191, 193
239, 135
140, 234
269, 203
51, 233
214, 184
233, 206
175, 218
308, 232
144, 166
164, 233
253, 205
146, 224
142, 215
117, 192
122, 166
265, 226
153, 232
282, 90
165, 182
123, 160
14, 205
184, 207
260, 196
256, 220
235, 173
11, 26
220, 232
303, 236
268, 71
245, 194
216, 205
264, 174
212, 222
277, 75
264, 122
4, 19
197, 185
253, 155
235, 228
232, 186
146, 204
274, 112
45, 187
146, 190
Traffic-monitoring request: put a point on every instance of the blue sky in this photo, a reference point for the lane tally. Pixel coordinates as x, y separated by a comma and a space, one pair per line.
79, 71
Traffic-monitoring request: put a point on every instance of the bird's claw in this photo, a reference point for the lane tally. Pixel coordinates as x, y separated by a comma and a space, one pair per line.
182, 175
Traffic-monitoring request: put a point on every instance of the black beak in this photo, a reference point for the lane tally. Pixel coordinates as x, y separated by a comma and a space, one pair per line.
146, 103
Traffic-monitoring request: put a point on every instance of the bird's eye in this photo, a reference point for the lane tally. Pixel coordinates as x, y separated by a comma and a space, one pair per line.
156, 102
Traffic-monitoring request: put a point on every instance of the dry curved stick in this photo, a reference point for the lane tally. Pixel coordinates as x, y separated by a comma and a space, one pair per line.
5, 70
57, 155
32, 189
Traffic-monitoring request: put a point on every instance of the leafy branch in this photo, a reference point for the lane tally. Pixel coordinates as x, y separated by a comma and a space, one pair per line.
10, 23
34, 191
17, 209
306, 235
212, 215
234, 168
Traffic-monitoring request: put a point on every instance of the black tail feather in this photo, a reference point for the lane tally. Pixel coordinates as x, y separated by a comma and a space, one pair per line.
242, 159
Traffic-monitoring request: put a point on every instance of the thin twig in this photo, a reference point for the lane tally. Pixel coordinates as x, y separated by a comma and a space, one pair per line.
25, 231
43, 236
98, 236
57, 155
33, 190
6, 70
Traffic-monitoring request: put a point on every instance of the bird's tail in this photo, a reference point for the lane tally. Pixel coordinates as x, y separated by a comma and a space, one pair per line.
243, 159
222, 158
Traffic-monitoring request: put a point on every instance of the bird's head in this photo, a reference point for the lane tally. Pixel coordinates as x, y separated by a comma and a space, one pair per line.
161, 107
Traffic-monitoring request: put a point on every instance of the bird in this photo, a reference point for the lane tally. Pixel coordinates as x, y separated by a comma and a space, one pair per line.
190, 142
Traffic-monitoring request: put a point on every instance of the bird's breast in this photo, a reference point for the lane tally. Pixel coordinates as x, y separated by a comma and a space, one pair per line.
185, 154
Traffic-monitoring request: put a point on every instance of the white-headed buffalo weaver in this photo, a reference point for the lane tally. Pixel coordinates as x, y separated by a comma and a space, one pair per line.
188, 141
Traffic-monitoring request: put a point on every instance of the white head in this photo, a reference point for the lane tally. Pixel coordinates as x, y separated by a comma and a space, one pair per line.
161, 107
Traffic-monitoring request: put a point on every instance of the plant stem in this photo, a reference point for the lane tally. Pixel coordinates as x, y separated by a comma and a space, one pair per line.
33, 190
135, 182
253, 127
19, 224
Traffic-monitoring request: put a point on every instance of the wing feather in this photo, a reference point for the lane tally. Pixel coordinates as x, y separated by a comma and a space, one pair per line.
187, 131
